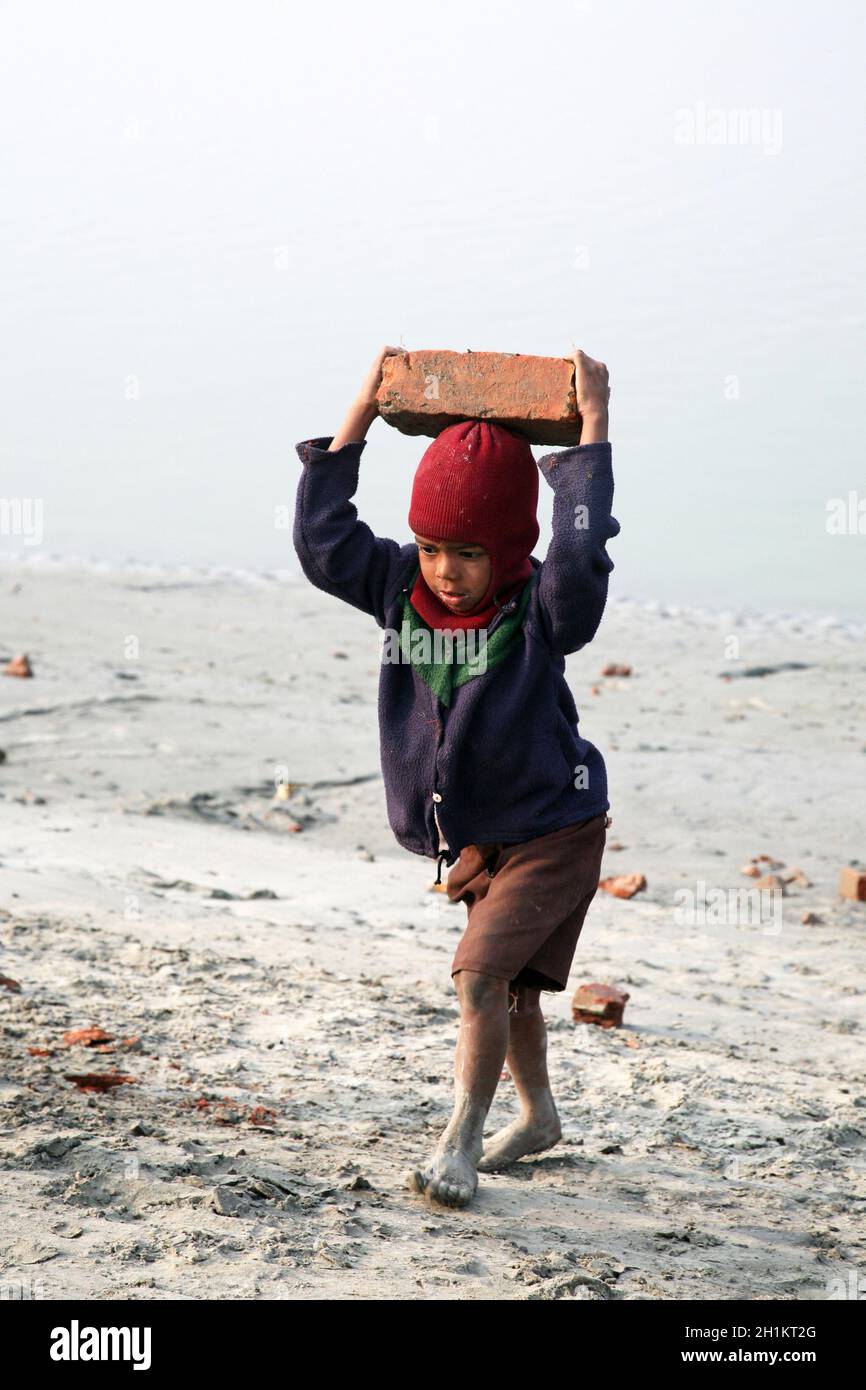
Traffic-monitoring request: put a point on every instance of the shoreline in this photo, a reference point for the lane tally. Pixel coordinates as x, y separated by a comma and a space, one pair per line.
810, 622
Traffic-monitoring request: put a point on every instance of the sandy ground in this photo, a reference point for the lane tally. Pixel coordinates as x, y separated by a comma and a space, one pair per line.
288, 993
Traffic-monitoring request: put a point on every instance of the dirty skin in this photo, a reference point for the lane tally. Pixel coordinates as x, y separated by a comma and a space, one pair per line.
496, 1025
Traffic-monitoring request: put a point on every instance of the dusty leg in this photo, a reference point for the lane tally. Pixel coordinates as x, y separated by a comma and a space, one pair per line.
537, 1127
450, 1174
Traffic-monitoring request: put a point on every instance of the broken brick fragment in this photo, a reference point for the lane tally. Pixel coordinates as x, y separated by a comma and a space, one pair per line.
772, 883
602, 1005
623, 885
86, 1037
100, 1081
19, 666
262, 1115
797, 876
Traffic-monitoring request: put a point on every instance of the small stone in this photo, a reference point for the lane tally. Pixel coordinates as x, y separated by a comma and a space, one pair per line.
57, 1147
225, 1202
30, 1252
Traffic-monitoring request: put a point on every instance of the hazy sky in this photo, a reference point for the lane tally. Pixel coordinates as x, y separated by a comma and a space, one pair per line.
213, 214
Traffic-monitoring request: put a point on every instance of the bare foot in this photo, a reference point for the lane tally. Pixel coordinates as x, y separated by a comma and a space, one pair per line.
516, 1140
448, 1177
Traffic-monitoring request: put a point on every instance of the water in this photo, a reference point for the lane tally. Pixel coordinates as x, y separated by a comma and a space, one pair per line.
211, 220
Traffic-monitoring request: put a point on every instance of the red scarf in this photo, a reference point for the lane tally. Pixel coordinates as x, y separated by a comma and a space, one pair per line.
434, 612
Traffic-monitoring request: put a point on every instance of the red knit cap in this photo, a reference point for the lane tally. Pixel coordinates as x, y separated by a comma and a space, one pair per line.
477, 482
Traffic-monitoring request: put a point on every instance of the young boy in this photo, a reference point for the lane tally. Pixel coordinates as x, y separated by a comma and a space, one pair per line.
481, 756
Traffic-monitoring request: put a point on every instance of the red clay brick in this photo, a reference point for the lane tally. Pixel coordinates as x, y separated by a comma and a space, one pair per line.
852, 884
423, 392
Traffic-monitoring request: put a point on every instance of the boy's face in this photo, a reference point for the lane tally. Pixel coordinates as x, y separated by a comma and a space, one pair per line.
458, 572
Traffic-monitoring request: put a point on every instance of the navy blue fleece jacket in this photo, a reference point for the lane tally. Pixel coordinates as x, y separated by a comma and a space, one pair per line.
505, 761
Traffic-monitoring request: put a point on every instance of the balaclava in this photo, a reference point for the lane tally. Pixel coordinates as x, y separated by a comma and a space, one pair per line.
477, 482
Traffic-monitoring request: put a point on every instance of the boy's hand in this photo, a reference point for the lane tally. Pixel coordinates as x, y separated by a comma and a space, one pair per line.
593, 394
367, 393
364, 408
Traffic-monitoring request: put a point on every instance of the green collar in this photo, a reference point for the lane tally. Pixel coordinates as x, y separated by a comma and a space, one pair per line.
447, 659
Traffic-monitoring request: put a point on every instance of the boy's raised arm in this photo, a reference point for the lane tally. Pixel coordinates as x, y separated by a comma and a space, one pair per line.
573, 581
337, 552
363, 410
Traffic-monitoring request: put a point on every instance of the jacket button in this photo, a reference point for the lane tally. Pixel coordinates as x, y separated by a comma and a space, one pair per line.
436, 796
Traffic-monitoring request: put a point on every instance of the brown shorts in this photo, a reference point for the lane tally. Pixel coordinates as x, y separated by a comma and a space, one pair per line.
526, 903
